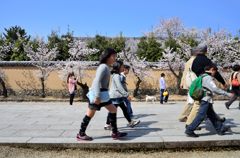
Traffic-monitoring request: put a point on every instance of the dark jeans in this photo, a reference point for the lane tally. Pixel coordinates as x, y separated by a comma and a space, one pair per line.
129, 108
71, 98
161, 98
236, 92
205, 109
125, 113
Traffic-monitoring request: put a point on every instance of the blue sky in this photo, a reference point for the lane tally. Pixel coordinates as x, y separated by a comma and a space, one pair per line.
109, 17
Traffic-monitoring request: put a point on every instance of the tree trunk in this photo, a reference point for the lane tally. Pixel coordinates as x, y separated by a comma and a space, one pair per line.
4, 88
85, 89
178, 83
135, 93
43, 92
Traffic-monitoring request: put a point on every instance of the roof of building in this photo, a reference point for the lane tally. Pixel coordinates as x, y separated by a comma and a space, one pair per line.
30, 63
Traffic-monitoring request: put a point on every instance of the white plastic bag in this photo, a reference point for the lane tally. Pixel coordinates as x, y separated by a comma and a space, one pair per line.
190, 101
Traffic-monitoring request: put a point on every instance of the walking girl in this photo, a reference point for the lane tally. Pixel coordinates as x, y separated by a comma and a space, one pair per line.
99, 86
117, 92
234, 82
71, 84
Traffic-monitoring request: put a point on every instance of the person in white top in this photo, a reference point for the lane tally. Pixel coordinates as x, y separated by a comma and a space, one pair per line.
162, 89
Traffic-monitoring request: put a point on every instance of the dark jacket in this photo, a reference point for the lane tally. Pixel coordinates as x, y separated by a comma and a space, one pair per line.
198, 67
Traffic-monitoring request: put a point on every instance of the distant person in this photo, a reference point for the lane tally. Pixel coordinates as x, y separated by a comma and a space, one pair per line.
206, 103
163, 89
235, 89
71, 84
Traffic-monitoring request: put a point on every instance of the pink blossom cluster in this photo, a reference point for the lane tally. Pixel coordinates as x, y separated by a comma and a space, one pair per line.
42, 58
139, 68
75, 64
3, 50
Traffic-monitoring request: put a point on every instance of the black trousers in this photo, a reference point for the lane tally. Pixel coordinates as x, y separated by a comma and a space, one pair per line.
125, 113
71, 98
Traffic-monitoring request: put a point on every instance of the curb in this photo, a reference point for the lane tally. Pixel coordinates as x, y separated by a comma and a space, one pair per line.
116, 144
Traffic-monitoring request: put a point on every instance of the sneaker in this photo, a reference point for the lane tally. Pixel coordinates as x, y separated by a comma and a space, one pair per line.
84, 137
223, 119
119, 135
191, 135
225, 129
134, 123
107, 127
227, 106
183, 120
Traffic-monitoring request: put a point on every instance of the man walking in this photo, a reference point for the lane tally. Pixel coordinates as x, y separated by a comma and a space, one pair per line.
198, 66
187, 109
162, 89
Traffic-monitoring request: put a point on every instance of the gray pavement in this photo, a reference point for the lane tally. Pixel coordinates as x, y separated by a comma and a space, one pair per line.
56, 125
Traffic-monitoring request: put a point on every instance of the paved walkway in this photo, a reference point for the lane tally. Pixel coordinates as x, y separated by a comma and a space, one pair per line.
56, 125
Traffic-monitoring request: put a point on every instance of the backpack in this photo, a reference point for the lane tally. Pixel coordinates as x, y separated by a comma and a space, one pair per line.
234, 81
196, 90
190, 77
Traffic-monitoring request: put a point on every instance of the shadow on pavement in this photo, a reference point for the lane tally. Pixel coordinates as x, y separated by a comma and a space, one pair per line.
139, 116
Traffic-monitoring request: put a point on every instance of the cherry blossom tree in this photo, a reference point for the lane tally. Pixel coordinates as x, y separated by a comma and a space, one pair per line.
42, 58
221, 49
220, 46
139, 68
77, 63
177, 47
3, 50
170, 28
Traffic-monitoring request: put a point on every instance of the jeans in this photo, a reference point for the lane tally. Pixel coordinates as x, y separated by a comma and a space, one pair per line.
205, 109
117, 100
236, 92
71, 97
129, 108
161, 98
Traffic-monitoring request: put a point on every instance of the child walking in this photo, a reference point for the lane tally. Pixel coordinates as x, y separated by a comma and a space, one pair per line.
206, 103
71, 84
123, 75
101, 83
117, 92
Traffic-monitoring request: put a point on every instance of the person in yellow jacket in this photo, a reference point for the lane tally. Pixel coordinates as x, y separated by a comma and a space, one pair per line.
187, 109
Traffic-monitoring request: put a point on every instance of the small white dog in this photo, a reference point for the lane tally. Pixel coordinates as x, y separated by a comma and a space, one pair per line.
150, 98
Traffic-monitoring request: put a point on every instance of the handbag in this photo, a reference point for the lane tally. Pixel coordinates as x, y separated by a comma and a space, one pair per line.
104, 97
165, 93
190, 77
